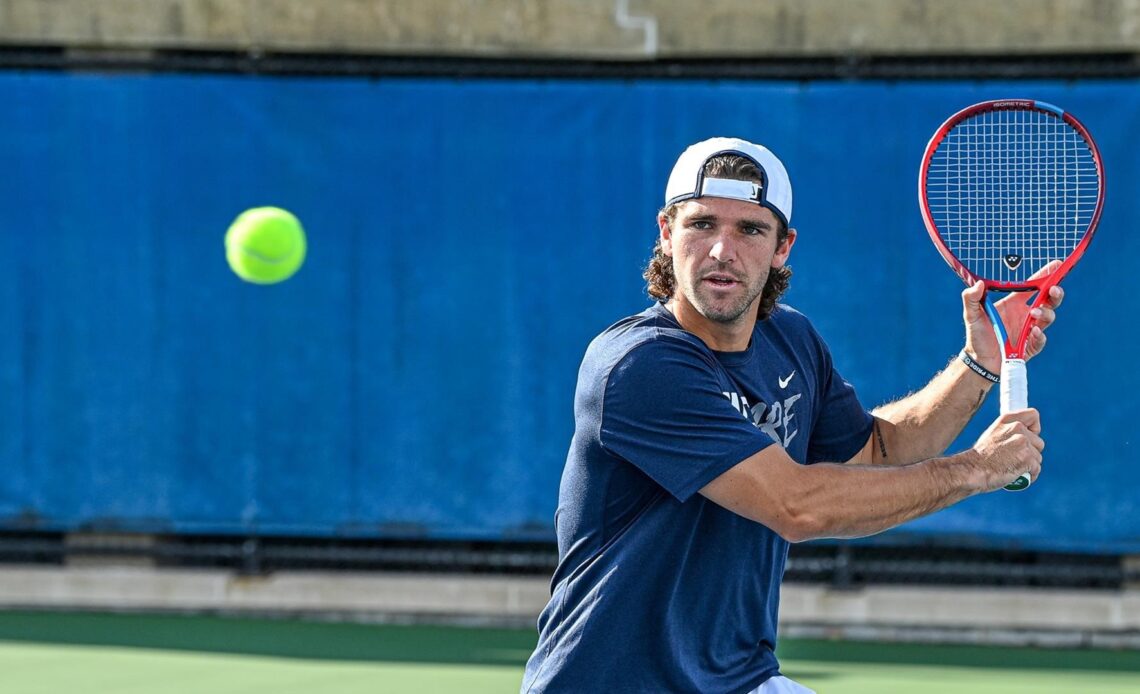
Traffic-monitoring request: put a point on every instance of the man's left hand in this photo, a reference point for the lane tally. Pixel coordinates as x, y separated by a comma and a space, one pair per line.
982, 344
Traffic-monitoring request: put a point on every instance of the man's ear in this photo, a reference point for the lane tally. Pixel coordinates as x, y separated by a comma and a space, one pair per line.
784, 249
665, 234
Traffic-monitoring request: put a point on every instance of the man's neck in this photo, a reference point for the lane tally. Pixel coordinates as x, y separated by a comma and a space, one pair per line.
720, 337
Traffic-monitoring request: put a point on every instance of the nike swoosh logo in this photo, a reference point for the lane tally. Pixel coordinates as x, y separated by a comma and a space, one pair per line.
785, 381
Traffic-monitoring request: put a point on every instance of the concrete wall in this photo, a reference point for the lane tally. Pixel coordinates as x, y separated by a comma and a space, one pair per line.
1006, 616
596, 29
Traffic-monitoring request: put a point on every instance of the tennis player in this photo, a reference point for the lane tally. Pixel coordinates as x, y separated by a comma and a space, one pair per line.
713, 428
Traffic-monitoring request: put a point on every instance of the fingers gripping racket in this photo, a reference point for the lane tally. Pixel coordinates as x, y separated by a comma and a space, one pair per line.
1006, 187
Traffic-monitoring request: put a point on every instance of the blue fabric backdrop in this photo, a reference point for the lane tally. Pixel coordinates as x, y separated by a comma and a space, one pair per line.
467, 240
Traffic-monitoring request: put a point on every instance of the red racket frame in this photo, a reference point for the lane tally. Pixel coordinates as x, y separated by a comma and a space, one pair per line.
1042, 285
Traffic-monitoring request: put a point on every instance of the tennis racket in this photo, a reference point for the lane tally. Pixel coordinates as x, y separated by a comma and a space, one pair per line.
1006, 187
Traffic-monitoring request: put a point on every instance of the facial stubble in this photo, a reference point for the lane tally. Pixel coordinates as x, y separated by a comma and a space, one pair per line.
736, 309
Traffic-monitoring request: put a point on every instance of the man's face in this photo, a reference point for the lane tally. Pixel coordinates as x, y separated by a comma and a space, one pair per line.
722, 253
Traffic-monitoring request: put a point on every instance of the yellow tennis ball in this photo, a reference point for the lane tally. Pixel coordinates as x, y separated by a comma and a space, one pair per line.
265, 245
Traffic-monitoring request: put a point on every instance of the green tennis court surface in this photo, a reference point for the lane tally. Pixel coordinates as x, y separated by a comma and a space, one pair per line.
55, 653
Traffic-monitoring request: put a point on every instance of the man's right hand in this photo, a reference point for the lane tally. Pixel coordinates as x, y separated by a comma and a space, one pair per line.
1011, 446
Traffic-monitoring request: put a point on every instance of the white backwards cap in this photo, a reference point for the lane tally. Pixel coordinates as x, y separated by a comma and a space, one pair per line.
688, 178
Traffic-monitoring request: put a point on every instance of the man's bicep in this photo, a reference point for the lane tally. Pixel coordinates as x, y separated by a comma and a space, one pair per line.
760, 488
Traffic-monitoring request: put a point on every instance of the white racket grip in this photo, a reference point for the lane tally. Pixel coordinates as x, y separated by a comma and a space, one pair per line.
1014, 388
1015, 396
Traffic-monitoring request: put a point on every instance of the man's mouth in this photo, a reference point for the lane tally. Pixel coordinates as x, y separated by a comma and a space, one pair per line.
721, 280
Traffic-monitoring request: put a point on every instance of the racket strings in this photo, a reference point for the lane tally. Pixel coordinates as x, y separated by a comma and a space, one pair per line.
1011, 190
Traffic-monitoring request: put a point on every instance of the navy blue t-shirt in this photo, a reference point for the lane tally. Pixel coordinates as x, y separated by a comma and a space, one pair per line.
657, 588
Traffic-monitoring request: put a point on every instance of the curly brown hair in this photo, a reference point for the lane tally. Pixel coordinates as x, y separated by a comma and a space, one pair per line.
659, 272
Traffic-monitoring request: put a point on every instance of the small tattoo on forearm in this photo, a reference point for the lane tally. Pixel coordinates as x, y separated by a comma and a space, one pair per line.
978, 404
882, 443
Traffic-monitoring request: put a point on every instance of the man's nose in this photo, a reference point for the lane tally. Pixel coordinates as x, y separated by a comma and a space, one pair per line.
722, 250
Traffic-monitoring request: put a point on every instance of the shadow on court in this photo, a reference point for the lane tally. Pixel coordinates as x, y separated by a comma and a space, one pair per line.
1002, 657
285, 638
292, 638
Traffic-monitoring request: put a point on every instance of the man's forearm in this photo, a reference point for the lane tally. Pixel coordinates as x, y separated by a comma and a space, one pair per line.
862, 503
805, 502
922, 424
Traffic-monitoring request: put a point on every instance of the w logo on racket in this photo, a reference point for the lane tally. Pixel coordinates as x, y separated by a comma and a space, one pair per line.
1011, 260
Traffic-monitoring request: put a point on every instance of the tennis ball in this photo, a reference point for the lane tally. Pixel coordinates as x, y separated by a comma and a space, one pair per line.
265, 245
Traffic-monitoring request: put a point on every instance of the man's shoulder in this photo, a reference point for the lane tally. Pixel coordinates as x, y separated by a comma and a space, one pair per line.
795, 332
649, 333
788, 315
786, 319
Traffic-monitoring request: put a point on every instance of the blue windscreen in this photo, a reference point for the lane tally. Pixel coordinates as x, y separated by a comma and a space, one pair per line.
467, 238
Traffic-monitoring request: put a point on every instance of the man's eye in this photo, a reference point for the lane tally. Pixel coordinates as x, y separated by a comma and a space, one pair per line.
701, 224
753, 231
